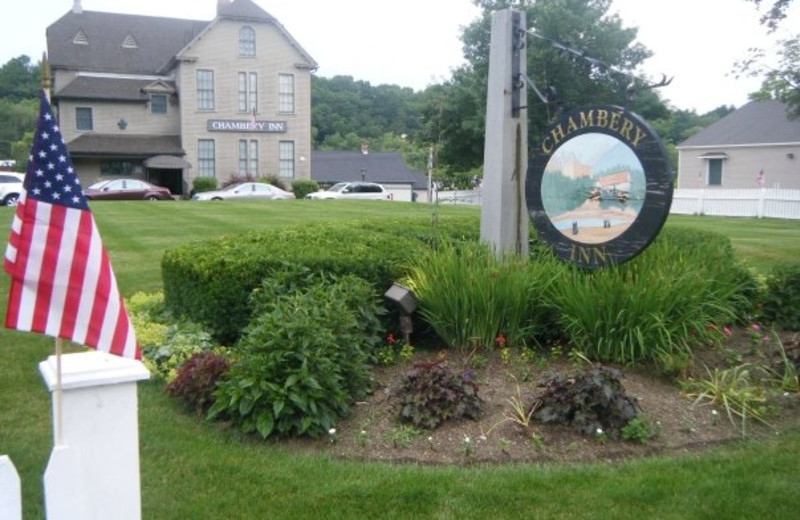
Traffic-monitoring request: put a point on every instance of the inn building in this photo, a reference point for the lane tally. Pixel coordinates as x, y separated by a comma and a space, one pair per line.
168, 100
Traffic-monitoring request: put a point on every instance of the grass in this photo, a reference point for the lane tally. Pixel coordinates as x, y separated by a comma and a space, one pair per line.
198, 471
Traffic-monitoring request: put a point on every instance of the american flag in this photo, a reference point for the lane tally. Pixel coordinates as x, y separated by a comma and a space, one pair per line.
62, 284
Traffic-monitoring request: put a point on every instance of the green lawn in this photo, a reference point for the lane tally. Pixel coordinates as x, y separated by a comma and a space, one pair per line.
192, 470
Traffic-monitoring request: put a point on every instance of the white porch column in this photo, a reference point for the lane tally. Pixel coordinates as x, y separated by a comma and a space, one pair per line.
93, 473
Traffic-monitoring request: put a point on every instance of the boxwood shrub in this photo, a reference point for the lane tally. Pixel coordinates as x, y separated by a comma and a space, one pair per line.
210, 282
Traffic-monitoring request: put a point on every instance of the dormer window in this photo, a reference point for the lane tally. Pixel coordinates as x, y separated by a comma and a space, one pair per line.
158, 104
247, 42
129, 43
80, 38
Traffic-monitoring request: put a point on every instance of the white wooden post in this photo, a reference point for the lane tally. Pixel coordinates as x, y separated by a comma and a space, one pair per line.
93, 473
10, 491
504, 214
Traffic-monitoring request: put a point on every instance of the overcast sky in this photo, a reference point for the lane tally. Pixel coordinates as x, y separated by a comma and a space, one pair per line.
415, 43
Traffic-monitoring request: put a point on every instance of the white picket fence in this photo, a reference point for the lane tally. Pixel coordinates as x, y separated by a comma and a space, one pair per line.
760, 203
458, 197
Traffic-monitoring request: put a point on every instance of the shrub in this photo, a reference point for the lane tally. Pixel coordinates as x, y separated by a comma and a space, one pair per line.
782, 300
166, 343
432, 394
302, 361
302, 187
638, 430
201, 184
589, 401
469, 297
202, 278
274, 180
663, 302
196, 380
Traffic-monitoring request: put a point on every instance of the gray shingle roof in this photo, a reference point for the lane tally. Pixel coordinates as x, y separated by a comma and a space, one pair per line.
757, 122
380, 167
116, 89
157, 40
128, 146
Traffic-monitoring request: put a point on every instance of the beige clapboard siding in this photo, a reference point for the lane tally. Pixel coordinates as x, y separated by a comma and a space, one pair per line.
217, 50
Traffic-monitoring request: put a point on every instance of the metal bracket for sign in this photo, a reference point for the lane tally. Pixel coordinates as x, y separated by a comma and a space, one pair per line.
517, 44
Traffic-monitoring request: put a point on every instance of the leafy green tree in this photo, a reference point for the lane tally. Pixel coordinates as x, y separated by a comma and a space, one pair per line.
19, 79
454, 113
775, 14
16, 118
781, 82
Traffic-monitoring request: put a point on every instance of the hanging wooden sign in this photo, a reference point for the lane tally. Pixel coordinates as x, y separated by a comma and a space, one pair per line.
599, 186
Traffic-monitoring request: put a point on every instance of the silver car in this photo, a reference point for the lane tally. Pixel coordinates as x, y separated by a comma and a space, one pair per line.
352, 190
245, 191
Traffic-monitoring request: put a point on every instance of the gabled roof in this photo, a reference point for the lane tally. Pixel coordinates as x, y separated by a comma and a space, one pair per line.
125, 146
110, 89
247, 11
380, 167
158, 40
756, 123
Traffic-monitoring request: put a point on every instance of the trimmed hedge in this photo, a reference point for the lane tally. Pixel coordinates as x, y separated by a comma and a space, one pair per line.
210, 282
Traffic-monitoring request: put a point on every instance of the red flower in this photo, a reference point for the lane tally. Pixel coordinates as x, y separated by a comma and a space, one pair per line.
500, 340
390, 339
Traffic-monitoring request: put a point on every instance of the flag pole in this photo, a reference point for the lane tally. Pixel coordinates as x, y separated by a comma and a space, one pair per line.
57, 391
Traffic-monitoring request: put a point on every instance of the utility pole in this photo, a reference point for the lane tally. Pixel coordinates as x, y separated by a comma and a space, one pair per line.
504, 214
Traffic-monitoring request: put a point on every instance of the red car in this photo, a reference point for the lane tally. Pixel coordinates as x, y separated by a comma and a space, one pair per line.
126, 189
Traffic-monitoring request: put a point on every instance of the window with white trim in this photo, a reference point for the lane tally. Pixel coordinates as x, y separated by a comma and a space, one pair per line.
715, 172
206, 158
158, 104
83, 118
286, 159
247, 84
247, 42
205, 89
286, 93
248, 158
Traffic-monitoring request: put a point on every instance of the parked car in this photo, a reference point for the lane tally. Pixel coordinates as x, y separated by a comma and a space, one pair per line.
10, 187
352, 190
245, 191
126, 189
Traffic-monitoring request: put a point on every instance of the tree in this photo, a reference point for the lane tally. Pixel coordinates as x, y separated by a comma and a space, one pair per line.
454, 113
782, 81
19, 79
775, 14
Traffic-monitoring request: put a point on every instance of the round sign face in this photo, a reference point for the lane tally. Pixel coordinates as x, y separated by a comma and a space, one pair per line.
599, 186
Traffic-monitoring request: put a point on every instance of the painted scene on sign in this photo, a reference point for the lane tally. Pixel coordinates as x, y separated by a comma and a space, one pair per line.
593, 188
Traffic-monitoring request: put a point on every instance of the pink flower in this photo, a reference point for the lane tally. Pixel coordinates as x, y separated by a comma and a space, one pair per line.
756, 327
727, 331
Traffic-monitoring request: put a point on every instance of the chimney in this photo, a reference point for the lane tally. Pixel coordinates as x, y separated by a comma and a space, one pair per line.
221, 4
76, 7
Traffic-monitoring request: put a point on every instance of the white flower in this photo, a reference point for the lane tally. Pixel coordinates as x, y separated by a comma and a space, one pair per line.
714, 412
599, 431
430, 438
466, 439
363, 432
332, 431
